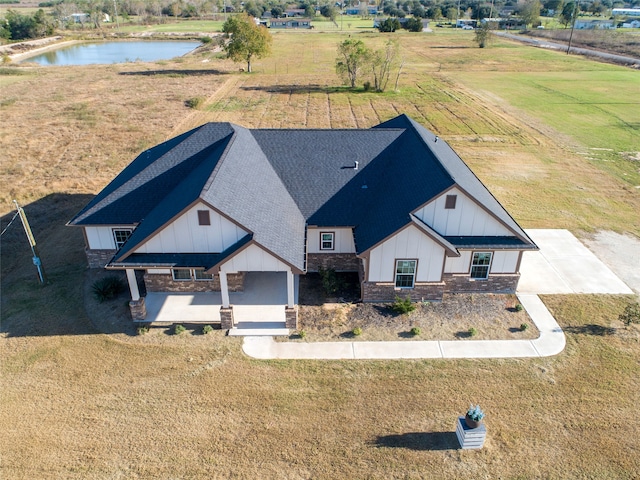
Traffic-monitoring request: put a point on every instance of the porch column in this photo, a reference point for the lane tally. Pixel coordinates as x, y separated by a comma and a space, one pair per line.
290, 287
133, 284
224, 289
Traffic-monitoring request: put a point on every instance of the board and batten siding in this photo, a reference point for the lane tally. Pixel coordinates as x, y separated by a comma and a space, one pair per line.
410, 243
254, 259
185, 235
505, 262
342, 243
467, 219
101, 238
501, 261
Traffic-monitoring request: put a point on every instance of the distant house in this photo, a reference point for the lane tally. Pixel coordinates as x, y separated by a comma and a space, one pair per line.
216, 206
594, 25
633, 24
626, 12
290, 23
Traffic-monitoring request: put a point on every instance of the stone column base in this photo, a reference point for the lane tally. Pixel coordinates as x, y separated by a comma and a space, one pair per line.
138, 309
226, 318
291, 317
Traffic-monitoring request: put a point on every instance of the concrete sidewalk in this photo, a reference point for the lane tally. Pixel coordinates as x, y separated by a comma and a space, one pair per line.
563, 265
550, 342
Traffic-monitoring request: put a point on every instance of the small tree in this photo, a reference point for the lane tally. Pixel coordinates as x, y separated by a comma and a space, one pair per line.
413, 25
353, 56
245, 39
483, 34
382, 62
391, 24
530, 12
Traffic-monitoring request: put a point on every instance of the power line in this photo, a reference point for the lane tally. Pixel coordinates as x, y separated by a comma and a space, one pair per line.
9, 224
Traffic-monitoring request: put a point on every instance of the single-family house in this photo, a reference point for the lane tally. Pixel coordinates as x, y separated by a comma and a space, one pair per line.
290, 23
207, 209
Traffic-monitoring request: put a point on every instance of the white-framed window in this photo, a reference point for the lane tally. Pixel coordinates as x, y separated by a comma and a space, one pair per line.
327, 240
201, 275
121, 235
405, 273
480, 263
181, 274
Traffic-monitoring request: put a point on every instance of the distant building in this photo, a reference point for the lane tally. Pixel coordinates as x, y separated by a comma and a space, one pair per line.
290, 23
594, 25
626, 12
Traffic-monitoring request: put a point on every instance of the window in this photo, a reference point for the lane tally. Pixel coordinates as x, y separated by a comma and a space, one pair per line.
201, 275
181, 274
120, 236
405, 273
326, 241
480, 265
450, 202
203, 217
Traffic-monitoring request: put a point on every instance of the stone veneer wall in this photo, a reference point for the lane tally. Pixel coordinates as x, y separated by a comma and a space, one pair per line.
166, 283
138, 309
387, 292
504, 283
99, 258
291, 317
340, 262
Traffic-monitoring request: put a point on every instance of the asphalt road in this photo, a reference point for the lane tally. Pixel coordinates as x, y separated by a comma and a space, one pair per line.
620, 59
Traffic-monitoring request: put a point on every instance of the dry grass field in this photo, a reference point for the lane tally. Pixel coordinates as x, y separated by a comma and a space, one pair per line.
79, 403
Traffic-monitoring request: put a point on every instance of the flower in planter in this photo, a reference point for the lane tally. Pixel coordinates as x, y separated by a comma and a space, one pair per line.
475, 413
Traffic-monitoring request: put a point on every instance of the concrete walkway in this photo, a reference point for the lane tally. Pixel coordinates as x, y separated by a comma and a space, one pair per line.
562, 257
550, 342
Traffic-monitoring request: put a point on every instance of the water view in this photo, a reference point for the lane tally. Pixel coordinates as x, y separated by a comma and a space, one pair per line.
115, 52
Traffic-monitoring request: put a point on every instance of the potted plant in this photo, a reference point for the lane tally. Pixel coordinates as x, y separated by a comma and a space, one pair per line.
474, 416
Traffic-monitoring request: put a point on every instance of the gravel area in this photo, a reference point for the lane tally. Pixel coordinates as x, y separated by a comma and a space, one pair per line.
494, 317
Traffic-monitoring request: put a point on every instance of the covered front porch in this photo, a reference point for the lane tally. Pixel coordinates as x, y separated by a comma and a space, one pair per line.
259, 309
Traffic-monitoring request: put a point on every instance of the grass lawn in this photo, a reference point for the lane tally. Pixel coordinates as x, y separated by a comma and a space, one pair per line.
77, 403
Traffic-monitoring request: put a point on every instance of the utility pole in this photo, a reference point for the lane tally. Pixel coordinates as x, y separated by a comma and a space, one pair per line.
573, 24
32, 243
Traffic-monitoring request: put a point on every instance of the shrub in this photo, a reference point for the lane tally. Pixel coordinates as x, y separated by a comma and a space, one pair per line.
519, 307
357, 331
194, 102
331, 282
207, 329
473, 332
366, 86
524, 326
415, 331
631, 314
143, 330
402, 307
108, 288
178, 329
302, 334
206, 39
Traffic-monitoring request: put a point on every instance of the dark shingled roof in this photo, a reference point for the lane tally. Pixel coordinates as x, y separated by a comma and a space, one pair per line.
275, 182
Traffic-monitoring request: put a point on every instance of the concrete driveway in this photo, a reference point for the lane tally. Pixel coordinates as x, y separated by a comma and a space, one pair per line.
565, 265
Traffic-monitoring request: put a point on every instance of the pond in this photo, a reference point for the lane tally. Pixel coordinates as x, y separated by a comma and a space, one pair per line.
115, 52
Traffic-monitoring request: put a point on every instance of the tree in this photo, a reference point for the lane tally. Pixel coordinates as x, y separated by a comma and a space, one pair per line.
567, 13
353, 57
391, 24
483, 34
382, 62
245, 40
329, 11
434, 13
413, 25
452, 13
530, 12
276, 11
